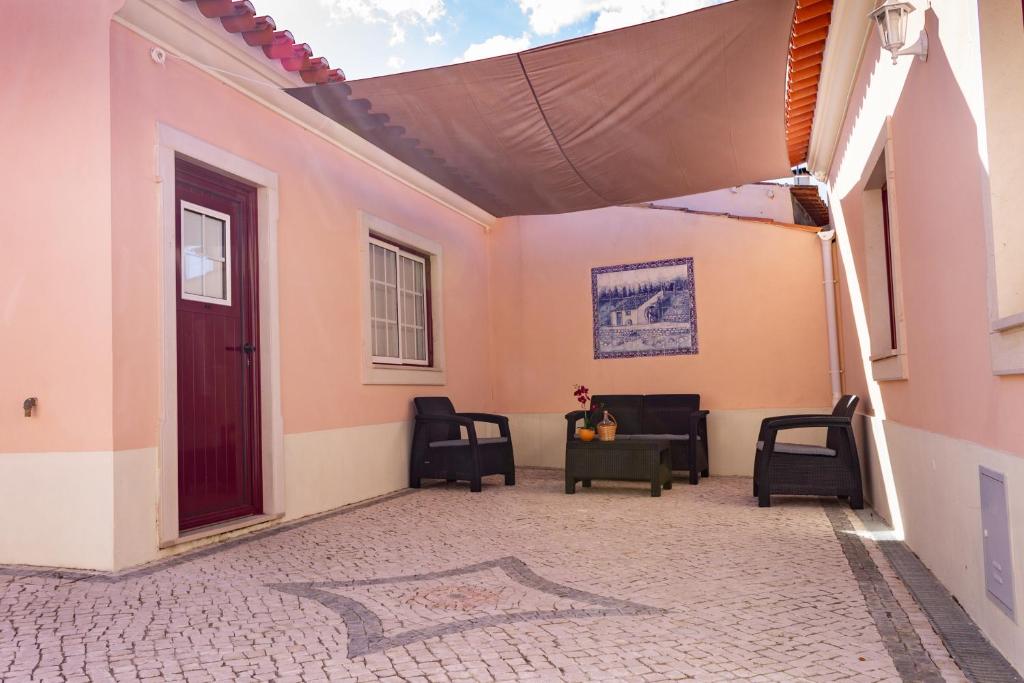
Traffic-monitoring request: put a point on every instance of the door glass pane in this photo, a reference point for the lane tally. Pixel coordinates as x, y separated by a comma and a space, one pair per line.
192, 232
213, 279
213, 237
205, 262
192, 274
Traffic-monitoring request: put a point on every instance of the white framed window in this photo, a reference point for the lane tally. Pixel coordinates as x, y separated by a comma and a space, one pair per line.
205, 255
403, 308
399, 329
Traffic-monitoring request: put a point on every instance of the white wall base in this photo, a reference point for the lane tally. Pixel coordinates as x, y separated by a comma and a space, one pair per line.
328, 469
99, 510
539, 438
136, 505
938, 493
57, 509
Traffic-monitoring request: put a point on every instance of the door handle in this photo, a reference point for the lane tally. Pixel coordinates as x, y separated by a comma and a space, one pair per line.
248, 347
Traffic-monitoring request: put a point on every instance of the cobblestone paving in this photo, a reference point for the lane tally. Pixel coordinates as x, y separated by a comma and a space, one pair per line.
514, 583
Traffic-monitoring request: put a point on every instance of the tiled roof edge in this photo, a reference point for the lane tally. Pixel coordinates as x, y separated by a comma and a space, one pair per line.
239, 16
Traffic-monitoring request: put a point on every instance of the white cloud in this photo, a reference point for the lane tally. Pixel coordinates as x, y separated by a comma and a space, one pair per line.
397, 35
494, 46
374, 11
547, 16
395, 62
434, 39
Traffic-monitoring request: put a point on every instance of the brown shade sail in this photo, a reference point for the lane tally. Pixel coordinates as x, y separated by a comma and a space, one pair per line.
672, 107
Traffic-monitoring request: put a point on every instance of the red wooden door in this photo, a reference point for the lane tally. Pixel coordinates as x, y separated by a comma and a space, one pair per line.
218, 348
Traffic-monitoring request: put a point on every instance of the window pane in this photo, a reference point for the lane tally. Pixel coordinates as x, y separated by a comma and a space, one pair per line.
192, 232
379, 301
421, 344
380, 343
393, 340
407, 310
379, 255
420, 316
421, 281
392, 273
213, 279
408, 273
214, 237
408, 343
391, 313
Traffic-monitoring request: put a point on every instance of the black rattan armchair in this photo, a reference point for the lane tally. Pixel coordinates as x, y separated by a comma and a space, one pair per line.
799, 469
440, 452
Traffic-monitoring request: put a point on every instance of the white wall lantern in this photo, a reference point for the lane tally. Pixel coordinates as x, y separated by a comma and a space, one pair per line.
891, 19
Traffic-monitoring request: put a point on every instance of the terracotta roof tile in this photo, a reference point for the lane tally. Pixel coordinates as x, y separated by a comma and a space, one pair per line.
239, 16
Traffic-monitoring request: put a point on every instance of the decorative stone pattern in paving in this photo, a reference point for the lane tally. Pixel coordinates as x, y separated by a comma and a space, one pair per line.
699, 584
537, 600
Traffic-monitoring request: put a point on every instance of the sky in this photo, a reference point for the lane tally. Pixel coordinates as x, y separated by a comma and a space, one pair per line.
376, 37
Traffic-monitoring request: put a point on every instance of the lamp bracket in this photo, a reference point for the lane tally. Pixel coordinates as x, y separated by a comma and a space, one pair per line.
919, 48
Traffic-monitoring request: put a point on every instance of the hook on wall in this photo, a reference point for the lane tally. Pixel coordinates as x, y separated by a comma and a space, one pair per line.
29, 405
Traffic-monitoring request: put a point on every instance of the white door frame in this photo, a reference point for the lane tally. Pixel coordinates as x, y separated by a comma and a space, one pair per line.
171, 144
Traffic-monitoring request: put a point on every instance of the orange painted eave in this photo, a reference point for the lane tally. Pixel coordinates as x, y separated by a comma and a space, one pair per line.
811, 22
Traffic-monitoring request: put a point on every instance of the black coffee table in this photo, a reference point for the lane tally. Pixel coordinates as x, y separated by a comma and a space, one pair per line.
632, 460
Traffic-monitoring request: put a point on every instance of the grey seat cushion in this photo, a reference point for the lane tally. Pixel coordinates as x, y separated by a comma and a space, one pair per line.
800, 449
653, 437
465, 442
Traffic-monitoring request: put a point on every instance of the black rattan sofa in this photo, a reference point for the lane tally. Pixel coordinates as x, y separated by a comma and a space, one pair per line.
676, 418
440, 452
799, 469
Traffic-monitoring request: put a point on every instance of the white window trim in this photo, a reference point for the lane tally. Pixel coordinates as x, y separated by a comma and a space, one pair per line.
886, 364
206, 211
399, 287
1000, 55
172, 142
383, 373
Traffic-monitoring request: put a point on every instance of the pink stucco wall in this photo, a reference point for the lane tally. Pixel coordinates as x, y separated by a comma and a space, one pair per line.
951, 388
55, 309
517, 300
321, 191
760, 310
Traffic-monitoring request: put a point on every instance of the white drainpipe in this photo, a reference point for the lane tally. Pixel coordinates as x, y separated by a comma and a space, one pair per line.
826, 237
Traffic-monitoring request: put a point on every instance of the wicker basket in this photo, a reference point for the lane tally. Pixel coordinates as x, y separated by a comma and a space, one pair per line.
606, 428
